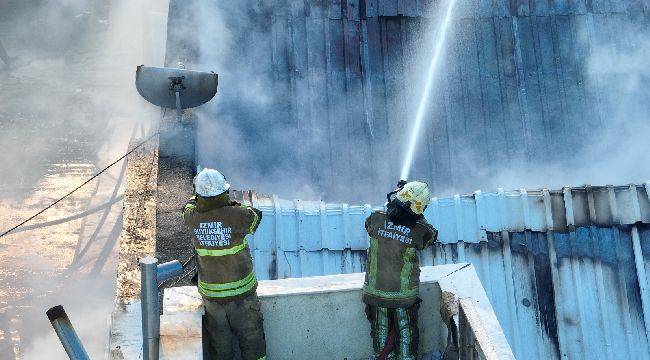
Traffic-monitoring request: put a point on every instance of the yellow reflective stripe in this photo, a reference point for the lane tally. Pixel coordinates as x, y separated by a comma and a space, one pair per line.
372, 258
223, 252
262, 358
404, 327
228, 293
390, 294
382, 324
228, 286
256, 219
228, 289
407, 268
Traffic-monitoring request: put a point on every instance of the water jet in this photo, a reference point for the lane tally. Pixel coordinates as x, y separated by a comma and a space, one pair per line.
439, 42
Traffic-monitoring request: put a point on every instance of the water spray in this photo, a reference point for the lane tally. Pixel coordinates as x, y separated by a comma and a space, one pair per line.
440, 41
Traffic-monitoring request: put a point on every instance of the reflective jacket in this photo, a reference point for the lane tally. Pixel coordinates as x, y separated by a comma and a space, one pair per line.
393, 267
219, 229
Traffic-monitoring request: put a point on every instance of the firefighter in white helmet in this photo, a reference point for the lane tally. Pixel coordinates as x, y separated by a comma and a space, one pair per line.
392, 279
226, 279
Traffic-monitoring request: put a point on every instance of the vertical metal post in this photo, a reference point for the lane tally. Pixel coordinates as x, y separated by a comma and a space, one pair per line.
177, 87
151, 275
149, 302
179, 110
65, 331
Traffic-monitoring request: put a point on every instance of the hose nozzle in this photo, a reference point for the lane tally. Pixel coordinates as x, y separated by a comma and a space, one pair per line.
400, 186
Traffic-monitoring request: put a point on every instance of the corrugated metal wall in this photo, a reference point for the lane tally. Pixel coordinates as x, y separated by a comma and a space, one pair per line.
338, 82
565, 270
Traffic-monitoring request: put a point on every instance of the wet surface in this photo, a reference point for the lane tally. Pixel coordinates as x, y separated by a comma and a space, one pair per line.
46, 266
66, 111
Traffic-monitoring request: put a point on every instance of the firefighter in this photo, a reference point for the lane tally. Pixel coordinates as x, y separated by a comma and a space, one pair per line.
226, 279
392, 281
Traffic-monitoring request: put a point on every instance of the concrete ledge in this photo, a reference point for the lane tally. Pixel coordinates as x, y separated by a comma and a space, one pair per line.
182, 299
181, 324
465, 286
126, 332
321, 317
181, 335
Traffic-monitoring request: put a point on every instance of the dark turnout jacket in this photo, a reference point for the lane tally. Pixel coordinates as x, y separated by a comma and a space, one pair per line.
393, 267
219, 228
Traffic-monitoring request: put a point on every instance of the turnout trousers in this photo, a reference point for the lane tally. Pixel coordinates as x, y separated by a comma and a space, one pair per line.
405, 321
241, 318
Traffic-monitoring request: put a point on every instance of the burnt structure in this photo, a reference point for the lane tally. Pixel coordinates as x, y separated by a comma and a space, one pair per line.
322, 92
518, 86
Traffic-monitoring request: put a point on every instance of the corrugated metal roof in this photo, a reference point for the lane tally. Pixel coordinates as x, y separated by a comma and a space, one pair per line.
580, 288
515, 88
356, 9
311, 225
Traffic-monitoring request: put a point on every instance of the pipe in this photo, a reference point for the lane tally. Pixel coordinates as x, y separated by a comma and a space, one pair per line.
149, 303
152, 275
65, 331
169, 270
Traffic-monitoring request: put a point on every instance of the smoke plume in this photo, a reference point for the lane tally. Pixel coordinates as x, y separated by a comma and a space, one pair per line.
68, 108
514, 106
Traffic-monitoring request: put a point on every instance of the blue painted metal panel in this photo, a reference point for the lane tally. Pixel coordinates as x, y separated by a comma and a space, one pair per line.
559, 291
313, 233
336, 235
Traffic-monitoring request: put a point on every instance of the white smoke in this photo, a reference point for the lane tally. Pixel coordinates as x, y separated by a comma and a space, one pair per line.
68, 107
612, 146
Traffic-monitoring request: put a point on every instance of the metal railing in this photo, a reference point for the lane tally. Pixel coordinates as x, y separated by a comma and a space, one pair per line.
151, 275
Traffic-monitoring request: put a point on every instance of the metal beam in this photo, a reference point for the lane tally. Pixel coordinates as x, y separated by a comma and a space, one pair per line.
65, 331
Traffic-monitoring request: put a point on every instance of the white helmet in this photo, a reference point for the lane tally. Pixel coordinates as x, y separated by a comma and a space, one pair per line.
210, 182
417, 193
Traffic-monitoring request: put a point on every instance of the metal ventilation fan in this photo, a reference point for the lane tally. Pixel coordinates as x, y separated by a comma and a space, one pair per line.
176, 88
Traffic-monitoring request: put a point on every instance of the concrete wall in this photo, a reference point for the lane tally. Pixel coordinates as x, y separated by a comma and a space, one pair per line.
324, 318
314, 318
